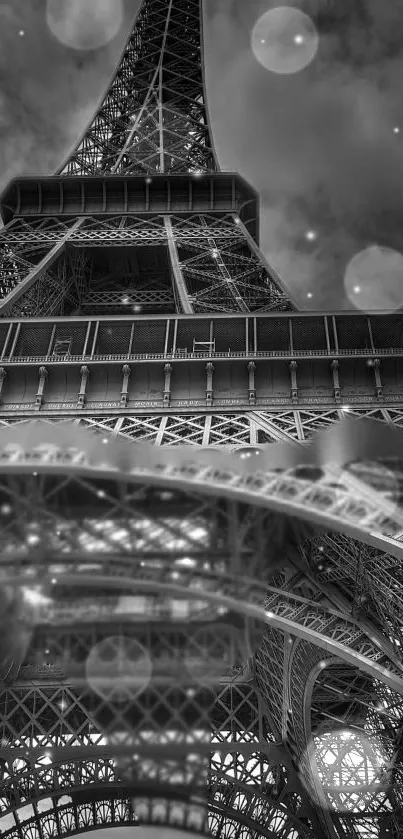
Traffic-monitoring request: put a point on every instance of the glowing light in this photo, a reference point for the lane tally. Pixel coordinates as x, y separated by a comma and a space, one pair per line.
21, 33
309, 294
311, 235
125, 300
376, 275
84, 26
165, 495
34, 596
186, 562
149, 180
137, 308
32, 539
396, 129
343, 758
101, 493
5, 509
284, 40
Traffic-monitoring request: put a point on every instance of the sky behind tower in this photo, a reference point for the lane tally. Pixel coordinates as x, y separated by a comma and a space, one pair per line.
324, 147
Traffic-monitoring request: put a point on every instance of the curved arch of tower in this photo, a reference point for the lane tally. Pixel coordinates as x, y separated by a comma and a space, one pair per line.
201, 617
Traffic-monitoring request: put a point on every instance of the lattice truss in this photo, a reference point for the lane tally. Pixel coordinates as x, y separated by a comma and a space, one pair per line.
73, 750
219, 555
153, 117
229, 431
192, 263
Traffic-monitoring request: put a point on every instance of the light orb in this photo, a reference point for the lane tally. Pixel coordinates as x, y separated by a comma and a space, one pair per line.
347, 758
284, 40
374, 279
84, 25
118, 669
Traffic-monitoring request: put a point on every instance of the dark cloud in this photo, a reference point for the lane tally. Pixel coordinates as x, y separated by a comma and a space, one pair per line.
48, 91
318, 145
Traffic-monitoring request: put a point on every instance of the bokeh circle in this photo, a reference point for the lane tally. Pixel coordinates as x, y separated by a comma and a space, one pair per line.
84, 24
118, 668
284, 40
374, 279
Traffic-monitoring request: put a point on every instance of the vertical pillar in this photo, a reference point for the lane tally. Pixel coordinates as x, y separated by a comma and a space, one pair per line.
126, 370
83, 386
294, 386
209, 390
378, 382
252, 390
3, 374
336, 383
167, 385
43, 374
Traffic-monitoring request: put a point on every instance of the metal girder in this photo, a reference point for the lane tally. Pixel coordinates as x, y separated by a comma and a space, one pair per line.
198, 532
28, 284
209, 256
153, 117
329, 498
234, 727
290, 614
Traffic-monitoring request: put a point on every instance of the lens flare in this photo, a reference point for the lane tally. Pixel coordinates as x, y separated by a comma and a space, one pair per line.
346, 760
284, 40
374, 279
84, 25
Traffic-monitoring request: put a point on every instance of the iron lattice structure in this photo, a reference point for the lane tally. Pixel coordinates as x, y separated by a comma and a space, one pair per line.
198, 630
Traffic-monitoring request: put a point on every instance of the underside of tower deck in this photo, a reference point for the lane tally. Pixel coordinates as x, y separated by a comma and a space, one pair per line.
201, 622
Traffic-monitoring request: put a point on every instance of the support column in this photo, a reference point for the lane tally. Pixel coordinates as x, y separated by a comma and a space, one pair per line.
167, 386
3, 374
126, 370
294, 386
376, 363
336, 383
252, 390
209, 390
43, 374
83, 387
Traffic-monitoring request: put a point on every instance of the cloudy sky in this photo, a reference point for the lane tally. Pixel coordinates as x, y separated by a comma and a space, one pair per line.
322, 146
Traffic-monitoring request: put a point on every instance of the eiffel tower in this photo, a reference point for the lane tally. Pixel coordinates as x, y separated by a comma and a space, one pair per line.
191, 638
